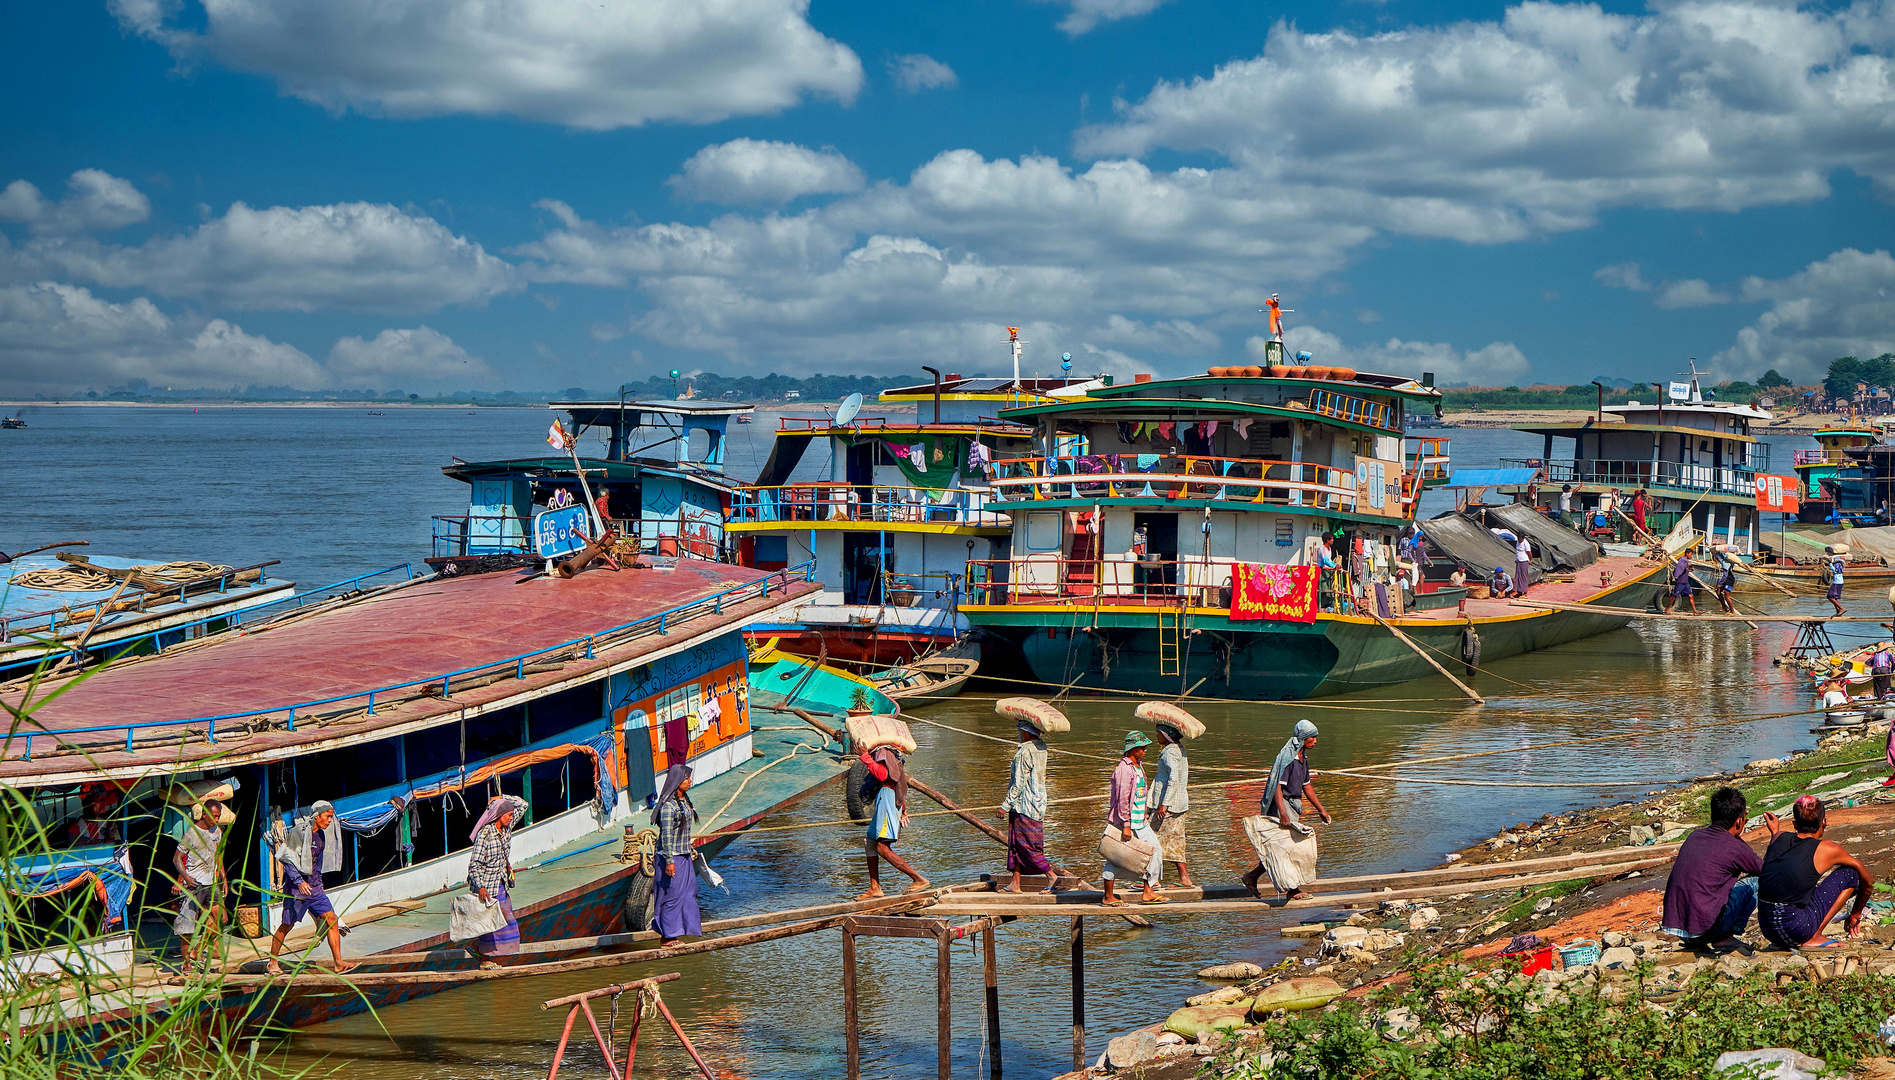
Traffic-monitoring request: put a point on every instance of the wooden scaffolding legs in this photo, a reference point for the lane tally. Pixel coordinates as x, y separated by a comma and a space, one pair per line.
1079, 992
944, 934
582, 1003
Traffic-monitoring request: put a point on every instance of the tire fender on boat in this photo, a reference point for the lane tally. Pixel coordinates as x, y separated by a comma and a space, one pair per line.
1470, 648
852, 791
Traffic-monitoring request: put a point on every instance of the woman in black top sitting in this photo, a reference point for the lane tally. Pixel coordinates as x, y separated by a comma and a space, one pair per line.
1794, 900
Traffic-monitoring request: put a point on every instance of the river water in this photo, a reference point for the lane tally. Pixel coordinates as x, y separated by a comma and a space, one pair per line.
336, 492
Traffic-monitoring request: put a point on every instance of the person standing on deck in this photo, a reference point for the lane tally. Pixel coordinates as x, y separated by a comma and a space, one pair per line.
312, 847
676, 889
890, 799
1681, 583
1522, 565
490, 873
1025, 805
1566, 505
201, 883
1835, 583
1171, 800
1806, 880
1126, 816
1286, 847
1639, 506
1882, 667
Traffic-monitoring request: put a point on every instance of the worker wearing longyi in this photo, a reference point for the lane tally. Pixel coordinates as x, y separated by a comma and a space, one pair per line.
889, 778
1125, 819
1286, 846
1025, 805
1171, 800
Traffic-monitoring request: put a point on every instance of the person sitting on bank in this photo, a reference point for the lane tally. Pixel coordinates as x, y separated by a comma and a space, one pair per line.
312, 848
889, 779
1025, 805
1125, 815
1806, 880
201, 884
490, 873
1286, 848
1713, 884
1171, 800
676, 888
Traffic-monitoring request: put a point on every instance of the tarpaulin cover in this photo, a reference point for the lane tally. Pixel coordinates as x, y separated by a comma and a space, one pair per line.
1877, 543
941, 456
1471, 478
97, 868
1270, 591
1460, 537
1558, 547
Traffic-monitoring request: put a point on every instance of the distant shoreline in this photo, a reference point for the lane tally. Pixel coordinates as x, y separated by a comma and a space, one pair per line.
377, 405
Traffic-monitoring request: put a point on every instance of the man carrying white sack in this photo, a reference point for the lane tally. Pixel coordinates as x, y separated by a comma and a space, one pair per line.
1286, 848
1126, 831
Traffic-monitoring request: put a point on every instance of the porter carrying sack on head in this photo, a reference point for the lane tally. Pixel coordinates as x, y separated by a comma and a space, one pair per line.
871, 732
1133, 854
470, 917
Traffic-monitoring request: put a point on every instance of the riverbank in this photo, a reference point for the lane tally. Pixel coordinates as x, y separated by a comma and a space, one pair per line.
1801, 424
1406, 979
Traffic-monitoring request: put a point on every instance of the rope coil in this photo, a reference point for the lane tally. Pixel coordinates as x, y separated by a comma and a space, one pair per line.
86, 579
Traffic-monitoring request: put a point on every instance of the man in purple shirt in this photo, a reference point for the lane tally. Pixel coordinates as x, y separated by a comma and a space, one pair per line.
1713, 885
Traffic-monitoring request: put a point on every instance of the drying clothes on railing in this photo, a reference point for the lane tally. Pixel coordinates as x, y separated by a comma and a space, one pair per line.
1242, 426
1148, 462
104, 874
979, 457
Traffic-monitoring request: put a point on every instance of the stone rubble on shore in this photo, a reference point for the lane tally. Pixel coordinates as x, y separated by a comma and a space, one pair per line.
1372, 947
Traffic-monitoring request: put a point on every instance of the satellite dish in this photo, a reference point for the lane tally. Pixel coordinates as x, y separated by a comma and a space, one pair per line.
850, 406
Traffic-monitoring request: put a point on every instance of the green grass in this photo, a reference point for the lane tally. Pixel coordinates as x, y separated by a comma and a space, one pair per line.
1556, 890
1766, 789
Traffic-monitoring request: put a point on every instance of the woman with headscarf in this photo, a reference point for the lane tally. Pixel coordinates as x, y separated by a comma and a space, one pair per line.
1025, 805
490, 873
675, 888
1286, 848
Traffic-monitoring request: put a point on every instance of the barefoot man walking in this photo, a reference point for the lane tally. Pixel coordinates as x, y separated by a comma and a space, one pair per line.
890, 781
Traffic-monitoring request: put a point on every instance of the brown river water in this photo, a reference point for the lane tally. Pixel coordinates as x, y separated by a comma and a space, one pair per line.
333, 492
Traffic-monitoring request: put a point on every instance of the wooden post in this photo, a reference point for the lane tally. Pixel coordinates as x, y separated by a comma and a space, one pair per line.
943, 1017
993, 998
1432, 662
1079, 992
851, 1023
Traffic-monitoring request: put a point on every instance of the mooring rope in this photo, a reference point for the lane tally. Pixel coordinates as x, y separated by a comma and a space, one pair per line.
89, 579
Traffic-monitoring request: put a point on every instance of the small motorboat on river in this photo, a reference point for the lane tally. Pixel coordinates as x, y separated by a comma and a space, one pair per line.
926, 680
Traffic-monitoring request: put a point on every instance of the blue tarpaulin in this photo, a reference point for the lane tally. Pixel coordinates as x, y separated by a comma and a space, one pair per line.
97, 867
1472, 478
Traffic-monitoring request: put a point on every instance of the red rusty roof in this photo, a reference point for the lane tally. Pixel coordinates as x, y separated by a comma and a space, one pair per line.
418, 632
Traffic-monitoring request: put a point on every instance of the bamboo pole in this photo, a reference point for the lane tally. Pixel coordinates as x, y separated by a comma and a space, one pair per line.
1635, 613
616, 988
1432, 662
1078, 945
851, 1023
990, 973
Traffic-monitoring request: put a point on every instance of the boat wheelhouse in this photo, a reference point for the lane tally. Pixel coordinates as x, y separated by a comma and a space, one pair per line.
664, 505
408, 709
1689, 455
891, 518
1829, 459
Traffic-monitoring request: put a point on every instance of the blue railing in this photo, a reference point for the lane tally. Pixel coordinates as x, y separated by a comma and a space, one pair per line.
657, 623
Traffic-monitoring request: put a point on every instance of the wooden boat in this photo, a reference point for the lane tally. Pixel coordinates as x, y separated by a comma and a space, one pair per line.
12, 422
926, 680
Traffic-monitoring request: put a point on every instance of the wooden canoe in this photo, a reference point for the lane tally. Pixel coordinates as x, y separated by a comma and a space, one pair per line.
925, 680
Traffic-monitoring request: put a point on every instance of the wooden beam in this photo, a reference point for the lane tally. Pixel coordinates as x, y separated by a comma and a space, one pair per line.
990, 975
1077, 942
617, 988
1432, 662
929, 929
943, 1015
1637, 613
851, 1023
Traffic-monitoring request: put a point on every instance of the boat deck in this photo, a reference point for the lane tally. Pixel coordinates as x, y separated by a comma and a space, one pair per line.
286, 689
1584, 588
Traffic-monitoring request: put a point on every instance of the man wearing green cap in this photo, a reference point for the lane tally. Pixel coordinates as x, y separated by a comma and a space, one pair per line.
1126, 817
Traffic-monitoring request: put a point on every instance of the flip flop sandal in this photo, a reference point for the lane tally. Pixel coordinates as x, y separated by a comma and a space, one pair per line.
1155, 900
1299, 895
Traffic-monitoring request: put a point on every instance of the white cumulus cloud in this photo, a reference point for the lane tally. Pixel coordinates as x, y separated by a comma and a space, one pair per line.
59, 338
1083, 16
1499, 363
95, 201
421, 355
754, 171
580, 63
916, 72
355, 256
1689, 293
1841, 305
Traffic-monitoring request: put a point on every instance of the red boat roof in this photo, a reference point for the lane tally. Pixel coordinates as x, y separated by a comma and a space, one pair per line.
409, 635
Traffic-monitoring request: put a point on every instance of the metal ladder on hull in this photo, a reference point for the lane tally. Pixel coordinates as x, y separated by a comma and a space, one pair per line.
1170, 634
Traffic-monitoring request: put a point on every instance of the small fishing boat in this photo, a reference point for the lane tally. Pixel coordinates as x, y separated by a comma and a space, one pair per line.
11, 422
926, 680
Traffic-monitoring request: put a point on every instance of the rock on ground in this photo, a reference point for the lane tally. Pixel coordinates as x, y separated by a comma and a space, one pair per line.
1129, 1050
1242, 969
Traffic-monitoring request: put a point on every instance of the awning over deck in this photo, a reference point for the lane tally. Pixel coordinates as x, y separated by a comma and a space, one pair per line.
1479, 478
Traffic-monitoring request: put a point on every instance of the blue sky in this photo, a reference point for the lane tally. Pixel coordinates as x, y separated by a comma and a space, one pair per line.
421, 195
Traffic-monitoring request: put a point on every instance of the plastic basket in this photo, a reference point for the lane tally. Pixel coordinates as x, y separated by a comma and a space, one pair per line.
1579, 954
1537, 960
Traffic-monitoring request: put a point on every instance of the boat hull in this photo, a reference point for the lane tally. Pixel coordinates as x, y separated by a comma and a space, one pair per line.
1277, 661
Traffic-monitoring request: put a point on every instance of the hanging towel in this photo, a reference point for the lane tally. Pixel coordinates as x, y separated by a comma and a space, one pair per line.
898, 451
1148, 493
918, 453
1147, 462
1242, 426
1165, 429
1207, 428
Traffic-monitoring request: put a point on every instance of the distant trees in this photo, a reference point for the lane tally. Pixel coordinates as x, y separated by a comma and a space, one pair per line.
1846, 371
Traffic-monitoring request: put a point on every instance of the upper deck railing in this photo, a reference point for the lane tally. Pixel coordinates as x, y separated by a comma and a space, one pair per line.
1356, 410
1821, 457
1183, 476
1712, 479
1427, 457
437, 686
835, 501
511, 534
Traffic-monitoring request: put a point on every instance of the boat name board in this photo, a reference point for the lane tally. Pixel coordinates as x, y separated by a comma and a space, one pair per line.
560, 532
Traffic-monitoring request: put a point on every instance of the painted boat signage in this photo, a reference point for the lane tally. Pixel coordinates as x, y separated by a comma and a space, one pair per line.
560, 532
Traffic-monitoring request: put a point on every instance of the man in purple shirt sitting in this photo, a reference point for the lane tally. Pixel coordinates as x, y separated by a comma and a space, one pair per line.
1713, 885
